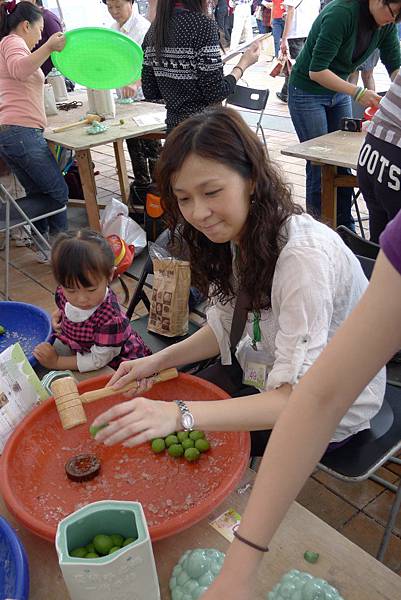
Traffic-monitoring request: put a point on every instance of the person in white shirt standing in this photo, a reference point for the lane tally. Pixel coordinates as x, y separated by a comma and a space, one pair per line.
298, 22
143, 153
242, 22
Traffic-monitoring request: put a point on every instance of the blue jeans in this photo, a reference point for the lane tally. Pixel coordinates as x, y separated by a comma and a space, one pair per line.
277, 29
26, 152
261, 26
314, 115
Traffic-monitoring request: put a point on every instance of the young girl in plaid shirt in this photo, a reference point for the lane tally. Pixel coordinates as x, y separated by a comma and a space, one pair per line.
88, 322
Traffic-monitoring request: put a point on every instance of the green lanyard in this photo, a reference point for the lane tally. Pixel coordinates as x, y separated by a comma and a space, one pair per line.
256, 329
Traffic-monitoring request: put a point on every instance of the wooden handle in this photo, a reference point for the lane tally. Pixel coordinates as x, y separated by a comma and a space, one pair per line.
88, 397
70, 126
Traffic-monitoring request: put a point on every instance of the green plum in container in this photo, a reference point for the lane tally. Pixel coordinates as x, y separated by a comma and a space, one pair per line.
127, 573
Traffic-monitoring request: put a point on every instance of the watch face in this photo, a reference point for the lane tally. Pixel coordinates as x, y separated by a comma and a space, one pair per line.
187, 421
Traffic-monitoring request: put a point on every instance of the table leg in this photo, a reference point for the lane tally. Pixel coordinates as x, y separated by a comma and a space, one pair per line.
84, 160
121, 169
329, 195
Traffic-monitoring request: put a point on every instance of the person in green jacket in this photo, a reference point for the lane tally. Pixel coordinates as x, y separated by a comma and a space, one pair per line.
342, 37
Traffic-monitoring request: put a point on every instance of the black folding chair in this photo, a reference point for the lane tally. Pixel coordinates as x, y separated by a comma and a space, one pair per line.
368, 450
251, 99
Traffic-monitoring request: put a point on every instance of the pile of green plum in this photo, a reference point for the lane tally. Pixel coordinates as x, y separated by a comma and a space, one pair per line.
189, 444
101, 545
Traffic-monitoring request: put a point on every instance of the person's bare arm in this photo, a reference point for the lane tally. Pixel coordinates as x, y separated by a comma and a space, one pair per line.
365, 342
287, 26
331, 81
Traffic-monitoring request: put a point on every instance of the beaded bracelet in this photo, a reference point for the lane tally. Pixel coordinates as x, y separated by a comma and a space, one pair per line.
248, 542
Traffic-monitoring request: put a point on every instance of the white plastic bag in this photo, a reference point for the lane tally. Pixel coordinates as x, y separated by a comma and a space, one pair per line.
115, 221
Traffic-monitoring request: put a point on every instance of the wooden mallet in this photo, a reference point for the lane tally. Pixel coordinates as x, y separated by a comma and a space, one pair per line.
70, 404
87, 121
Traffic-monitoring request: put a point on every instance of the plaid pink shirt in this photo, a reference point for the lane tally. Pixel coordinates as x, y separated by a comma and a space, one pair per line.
107, 326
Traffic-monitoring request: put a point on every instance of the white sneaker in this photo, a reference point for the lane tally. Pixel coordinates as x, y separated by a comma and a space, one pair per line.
22, 236
41, 256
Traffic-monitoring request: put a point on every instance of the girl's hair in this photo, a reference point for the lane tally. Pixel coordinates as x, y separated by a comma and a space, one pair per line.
164, 12
222, 136
24, 11
81, 257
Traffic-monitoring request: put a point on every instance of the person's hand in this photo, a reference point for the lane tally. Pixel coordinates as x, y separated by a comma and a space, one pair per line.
56, 42
283, 47
369, 98
130, 91
46, 355
56, 321
250, 56
137, 421
135, 370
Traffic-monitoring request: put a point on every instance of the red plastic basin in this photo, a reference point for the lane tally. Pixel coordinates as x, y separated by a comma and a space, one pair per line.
175, 494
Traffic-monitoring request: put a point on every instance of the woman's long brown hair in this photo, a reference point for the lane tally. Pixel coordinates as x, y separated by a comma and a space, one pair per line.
221, 135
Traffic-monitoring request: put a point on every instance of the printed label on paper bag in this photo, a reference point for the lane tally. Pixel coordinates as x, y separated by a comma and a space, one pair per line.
225, 523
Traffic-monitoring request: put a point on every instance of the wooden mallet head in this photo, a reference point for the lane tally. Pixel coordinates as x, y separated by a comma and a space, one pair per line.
70, 404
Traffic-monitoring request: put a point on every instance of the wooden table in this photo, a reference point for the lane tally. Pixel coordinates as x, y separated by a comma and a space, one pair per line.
78, 140
330, 151
356, 574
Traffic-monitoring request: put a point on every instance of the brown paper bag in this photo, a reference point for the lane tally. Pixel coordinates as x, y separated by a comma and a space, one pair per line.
169, 313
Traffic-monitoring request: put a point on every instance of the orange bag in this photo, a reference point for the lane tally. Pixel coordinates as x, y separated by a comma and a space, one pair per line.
123, 254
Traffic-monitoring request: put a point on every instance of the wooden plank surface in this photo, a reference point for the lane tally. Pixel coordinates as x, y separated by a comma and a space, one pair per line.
339, 148
79, 139
356, 574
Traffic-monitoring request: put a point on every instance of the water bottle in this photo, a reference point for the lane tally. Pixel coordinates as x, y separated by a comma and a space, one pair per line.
57, 82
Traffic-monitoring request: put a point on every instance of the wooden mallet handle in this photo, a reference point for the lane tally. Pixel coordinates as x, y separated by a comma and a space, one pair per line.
87, 121
88, 397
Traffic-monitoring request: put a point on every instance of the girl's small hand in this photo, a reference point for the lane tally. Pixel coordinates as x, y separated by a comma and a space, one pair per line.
284, 47
370, 98
46, 355
134, 370
56, 321
137, 421
56, 42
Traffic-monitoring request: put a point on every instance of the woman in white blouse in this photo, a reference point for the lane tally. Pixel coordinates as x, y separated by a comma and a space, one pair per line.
248, 241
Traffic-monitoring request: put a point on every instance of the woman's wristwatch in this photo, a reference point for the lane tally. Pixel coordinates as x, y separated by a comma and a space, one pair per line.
187, 418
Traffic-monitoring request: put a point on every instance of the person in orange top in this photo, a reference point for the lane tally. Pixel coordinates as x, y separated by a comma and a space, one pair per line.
277, 23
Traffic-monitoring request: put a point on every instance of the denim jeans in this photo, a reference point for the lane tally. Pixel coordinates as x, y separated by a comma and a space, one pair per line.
26, 152
277, 29
314, 115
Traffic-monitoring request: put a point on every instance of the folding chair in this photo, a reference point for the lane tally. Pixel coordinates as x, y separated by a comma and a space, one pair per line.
251, 99
8, 223
357, 244
368, 450
367, 253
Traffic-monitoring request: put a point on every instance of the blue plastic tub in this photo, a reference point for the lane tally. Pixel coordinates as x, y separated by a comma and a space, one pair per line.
26, 324
14, 571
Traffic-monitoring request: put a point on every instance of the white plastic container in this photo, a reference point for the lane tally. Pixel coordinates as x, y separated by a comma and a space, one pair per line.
57, 81
127, 574
50, 101
101, 102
